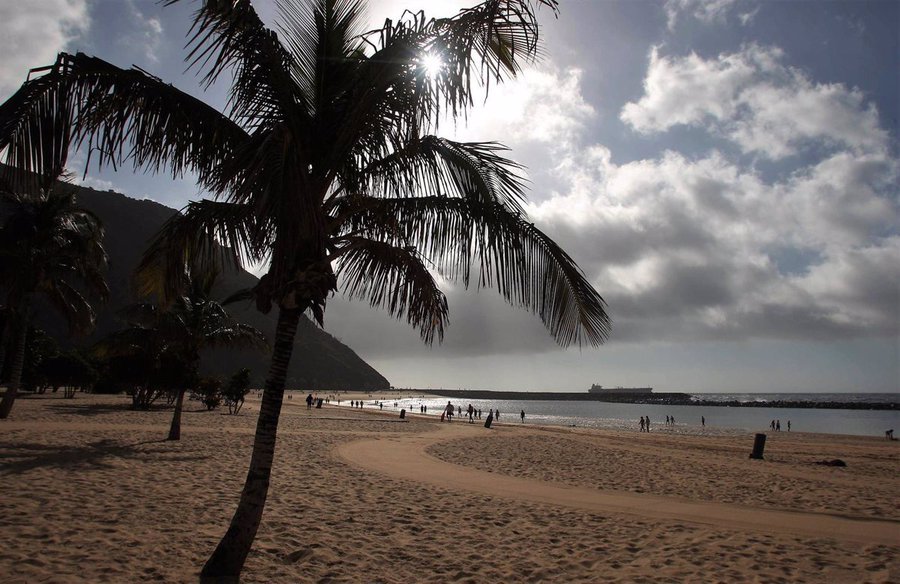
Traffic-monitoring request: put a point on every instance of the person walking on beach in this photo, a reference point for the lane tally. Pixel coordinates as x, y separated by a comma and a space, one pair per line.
703, 421
449, 411
778, 425
522, 415
789, 425
309, 401
642, 423
497, 415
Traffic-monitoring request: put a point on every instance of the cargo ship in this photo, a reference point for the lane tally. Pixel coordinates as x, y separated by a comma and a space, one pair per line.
620, 390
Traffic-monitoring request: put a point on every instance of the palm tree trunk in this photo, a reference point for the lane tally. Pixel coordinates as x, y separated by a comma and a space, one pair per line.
227, 560
4, 342
15, 377
175, 428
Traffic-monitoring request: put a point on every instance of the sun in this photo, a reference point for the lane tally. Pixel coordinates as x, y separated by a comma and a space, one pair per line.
432, 64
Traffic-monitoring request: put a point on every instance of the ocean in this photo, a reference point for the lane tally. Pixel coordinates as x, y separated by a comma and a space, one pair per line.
719, 419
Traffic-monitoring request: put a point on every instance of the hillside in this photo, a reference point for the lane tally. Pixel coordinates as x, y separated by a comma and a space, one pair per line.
319, 361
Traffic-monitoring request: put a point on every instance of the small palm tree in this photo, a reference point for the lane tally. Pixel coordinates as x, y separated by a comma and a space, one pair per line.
50, 247
327, 166
180, 331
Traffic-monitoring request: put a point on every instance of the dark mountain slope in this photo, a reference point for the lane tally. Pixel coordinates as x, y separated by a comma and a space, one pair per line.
319, 362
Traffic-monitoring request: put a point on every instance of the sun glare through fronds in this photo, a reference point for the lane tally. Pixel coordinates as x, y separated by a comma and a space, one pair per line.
432, 64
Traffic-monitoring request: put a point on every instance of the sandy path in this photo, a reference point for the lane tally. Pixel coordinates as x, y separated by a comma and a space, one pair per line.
405, 457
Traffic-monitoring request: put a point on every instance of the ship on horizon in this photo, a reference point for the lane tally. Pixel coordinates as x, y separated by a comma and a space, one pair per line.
620, 390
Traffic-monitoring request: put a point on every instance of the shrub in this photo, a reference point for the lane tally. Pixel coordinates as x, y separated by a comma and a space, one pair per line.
210, 391
238, 387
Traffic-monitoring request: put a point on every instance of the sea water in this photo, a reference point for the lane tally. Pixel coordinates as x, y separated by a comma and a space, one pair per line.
596, 414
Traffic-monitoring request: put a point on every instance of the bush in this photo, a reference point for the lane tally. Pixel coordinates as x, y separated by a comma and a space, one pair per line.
210, 391
238, 387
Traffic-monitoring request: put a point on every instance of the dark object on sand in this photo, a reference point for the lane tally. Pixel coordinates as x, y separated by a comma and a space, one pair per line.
489, 420
319, 403
403, 414
889, 434
834, 462
759, 444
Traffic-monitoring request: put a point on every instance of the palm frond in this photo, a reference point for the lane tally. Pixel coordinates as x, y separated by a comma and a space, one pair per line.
70, 303
206, 236
436, 166
484, 44
238, 335
323, 39
36, 133
512, 255
395, 279
121, 114
228, 35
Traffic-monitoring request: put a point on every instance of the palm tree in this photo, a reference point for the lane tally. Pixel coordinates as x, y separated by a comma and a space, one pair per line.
47, 246
188, 325
327, 167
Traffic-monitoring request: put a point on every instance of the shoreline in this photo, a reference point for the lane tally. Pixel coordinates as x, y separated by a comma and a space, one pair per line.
663, 399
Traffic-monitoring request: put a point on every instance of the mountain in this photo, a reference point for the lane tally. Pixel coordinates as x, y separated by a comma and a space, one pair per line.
319, 360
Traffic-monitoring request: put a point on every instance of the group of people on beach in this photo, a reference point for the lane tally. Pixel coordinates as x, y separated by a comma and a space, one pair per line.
670, 421
471, 413
776, 425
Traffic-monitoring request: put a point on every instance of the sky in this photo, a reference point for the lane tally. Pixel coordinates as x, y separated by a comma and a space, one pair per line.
725, 172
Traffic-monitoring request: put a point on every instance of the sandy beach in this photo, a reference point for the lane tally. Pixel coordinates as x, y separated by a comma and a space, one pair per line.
93, 493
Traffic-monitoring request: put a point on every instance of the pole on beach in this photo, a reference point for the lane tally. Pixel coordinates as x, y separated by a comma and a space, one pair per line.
759, 444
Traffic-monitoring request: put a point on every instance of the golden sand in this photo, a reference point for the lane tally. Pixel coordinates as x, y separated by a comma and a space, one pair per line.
93, 493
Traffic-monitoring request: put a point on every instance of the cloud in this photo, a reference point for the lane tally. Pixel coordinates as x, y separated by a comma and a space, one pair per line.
543, 106
687, 249
684, 248
33, 33
706, 11
148, 35
98, 184
755, 101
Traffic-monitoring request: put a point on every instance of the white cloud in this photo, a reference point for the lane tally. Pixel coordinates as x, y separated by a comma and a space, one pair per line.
542, 106
32, 33
688, 249
148, 35
689, 90
706, 11
95, 183
751, 98
747, 18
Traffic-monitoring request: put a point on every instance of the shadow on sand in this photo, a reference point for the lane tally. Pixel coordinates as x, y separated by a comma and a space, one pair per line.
88, 409
96, 455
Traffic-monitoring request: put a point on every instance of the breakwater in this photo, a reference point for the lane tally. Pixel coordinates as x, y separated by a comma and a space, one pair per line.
671, 398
